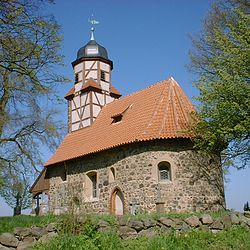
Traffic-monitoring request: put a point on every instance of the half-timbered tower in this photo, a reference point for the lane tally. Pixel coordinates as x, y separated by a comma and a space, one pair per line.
92, 85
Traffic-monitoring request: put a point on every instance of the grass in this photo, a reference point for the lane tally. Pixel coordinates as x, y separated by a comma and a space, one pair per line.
234, 238
7, 224
156, 216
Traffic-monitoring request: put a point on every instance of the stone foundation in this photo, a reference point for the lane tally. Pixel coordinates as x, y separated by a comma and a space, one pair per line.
196, 180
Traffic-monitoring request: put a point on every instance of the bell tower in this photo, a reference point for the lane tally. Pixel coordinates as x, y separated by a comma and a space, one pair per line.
92, 88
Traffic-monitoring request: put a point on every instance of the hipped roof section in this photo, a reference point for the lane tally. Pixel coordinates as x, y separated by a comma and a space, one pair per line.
161, 111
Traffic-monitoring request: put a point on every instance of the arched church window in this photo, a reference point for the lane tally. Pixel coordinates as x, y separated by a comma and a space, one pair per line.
164, 171
91, 185
112, 174
63, 172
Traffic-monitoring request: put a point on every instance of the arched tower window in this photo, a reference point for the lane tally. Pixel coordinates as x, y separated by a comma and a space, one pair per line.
164, 171
91, 185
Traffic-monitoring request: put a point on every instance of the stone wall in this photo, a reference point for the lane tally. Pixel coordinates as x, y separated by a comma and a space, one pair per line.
196, 181
128, 227
132, 228
25, 238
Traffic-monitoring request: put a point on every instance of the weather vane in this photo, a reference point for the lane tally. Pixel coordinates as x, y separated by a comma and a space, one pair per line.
93, 22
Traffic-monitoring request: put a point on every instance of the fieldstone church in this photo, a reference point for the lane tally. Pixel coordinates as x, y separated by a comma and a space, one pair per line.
126, 154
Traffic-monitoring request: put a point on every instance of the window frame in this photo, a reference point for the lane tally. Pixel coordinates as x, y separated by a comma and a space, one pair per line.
93, 179
103, 76
76, 78
162, 167
91, 188
112, 174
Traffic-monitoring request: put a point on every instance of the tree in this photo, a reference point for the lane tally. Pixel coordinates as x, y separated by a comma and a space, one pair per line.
29, 51
15, 190
246, 207
221, 58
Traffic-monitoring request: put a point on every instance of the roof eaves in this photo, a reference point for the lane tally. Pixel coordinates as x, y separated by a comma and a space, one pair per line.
70, 94
117, 145
37, 179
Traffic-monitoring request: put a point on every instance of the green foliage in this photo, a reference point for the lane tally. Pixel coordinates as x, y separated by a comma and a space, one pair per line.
81, 234
30, 44
221, 58
15, 189
76, 224
7, 224
234, 238
98, 241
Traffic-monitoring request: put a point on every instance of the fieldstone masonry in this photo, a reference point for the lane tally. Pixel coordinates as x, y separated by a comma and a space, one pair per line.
25, 238
196, 180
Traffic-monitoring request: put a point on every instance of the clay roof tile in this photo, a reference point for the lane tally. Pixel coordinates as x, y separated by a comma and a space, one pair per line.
91, 83
161, 111
114, 91
70, 94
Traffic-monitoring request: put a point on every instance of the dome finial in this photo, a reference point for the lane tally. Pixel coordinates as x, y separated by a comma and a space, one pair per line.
93, 22
92, 33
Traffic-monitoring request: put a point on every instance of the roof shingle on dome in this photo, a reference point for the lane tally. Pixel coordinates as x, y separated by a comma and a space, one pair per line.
96, 50
91, 51
161, 111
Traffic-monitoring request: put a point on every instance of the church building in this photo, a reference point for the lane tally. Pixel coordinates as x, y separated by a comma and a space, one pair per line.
127, 154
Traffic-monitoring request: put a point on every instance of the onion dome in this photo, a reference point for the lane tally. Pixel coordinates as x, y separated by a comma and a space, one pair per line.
92, 50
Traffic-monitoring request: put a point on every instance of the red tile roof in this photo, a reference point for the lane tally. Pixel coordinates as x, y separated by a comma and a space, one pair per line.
160, 111
114, 91
91, 83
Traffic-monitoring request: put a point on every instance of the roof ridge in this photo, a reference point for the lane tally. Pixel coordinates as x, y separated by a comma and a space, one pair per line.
178, 96
165, 112
144, 89
155, 110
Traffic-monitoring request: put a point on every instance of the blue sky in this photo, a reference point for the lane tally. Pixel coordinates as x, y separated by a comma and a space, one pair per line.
147, 41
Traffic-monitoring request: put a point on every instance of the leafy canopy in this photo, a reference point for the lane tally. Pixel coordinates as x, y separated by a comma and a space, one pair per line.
221, 58
30, 43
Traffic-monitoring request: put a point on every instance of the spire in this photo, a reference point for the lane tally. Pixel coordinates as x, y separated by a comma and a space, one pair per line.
92, 33
93, 22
